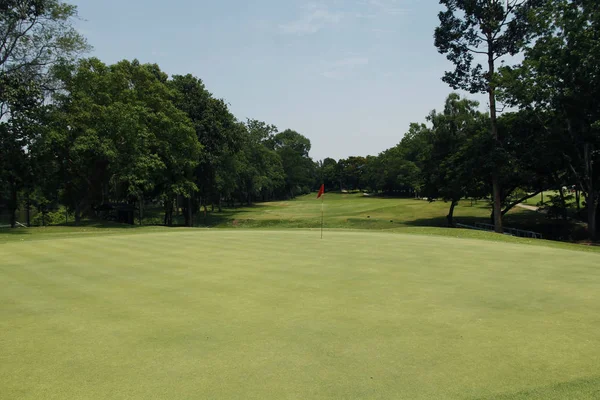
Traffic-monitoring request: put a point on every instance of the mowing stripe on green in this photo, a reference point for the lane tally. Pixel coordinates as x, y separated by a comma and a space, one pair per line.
225, 314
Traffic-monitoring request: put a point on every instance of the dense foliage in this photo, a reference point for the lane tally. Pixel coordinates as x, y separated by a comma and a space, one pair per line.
77, 135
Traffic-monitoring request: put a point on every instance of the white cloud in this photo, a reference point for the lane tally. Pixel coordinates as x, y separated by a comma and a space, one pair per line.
319, 15
389, 7
316, 18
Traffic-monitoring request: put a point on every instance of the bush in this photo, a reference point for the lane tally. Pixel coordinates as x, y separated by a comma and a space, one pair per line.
555, 207
55, 217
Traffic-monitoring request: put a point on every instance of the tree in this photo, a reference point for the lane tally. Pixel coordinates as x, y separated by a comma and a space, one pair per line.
369, 178
220, 134
351, 171
34, 36
532, 153
17, 134
119, 136
396, 174
560, 76
488, 28
329, 175
453, 170
260, 170
293, 148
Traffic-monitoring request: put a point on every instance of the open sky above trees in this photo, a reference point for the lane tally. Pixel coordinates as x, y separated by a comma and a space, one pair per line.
349, 75
79, 131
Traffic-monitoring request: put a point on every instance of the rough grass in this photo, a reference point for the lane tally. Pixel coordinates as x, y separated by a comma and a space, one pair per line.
258, 314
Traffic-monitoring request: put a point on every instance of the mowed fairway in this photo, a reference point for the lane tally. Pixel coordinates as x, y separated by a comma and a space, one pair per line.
247, 314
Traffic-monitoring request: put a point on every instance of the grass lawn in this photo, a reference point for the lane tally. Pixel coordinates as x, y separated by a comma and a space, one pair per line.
267, 314
353, 211
537, 199
347, 211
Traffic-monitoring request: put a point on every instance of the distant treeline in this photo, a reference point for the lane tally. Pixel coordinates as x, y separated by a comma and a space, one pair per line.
77, 133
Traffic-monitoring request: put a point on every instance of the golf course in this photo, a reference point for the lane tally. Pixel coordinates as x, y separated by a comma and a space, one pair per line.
300, 200
278, 313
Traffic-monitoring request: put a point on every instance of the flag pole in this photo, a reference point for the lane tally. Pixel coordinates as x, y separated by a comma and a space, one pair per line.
322, 198
320, 194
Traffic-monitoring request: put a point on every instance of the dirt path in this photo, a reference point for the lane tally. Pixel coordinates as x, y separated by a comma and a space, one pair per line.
525, 206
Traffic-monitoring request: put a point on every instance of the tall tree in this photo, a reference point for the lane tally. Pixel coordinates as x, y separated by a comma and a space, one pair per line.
34, 36
220, 134
18, 130
352, 170
487, 28
260, 170
329, 175
453, 169
121, 137
560, 76
294, 148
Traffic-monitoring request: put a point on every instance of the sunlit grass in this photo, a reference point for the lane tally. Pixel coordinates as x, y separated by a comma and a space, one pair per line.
258, 314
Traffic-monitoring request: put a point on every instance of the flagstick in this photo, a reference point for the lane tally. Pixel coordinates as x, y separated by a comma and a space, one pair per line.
322, 198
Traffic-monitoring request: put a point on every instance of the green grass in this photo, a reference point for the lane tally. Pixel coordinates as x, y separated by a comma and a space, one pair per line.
341, 211
345, 211
353, 211
267, 314
537, 199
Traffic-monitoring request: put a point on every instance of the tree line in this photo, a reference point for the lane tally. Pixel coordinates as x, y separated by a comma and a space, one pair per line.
79, 133
549, 140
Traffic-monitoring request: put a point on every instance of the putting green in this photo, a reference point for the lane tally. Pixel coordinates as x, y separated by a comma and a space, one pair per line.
283, 315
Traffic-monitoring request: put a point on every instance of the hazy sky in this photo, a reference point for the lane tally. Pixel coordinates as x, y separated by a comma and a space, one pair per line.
348, 74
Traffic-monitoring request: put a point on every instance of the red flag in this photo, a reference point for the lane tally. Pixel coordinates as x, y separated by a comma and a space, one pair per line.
321, 191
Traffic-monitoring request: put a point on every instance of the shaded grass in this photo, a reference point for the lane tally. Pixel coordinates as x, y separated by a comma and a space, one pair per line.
353, 211
261, 314
87, 228
342, 211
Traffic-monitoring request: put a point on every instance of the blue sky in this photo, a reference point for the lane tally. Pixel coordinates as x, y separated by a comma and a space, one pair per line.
348, 74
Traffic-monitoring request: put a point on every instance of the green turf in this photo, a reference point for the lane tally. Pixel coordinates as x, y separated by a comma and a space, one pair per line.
347, 211
255, 314
354, 211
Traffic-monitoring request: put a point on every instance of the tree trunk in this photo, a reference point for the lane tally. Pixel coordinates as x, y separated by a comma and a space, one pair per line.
592, 208
190, 214
597, 218
141, 209
519, 201
494, 131
13, 205
168, 221
450, 216
563, 204
186, 215
592, 198
220, 207
27, 210
577, 200
77, 214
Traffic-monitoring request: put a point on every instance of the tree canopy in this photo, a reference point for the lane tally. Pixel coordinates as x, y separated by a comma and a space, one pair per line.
78, 135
